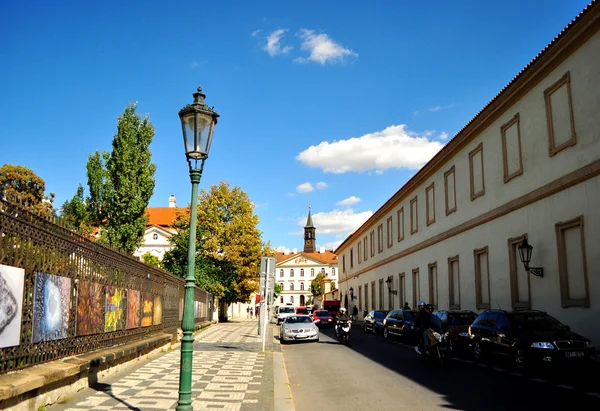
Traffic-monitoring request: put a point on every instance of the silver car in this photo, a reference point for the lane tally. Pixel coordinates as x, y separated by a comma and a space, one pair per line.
298, 328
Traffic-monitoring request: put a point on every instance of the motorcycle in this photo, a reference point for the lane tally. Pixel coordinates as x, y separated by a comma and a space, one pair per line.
439, 347
343, 331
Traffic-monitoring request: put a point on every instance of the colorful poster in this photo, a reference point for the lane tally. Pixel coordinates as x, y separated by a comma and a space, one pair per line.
90, 302
157, 309
133, 309
116, 303
11, 304
51, 300
147, 310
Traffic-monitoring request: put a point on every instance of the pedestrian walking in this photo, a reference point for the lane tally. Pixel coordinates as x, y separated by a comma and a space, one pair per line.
251, 312
354, 313
406, 307
248, 312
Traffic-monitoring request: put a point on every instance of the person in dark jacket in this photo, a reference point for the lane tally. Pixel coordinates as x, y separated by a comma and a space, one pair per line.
341, 317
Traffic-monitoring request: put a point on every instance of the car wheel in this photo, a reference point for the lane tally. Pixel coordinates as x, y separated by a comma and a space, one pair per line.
386, 333
520, 360
478, 351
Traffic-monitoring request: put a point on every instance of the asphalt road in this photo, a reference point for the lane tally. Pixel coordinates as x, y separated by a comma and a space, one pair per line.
376, 374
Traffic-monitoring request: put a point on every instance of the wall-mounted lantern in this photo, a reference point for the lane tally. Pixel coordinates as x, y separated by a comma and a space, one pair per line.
525, 250
351, 291
389, 283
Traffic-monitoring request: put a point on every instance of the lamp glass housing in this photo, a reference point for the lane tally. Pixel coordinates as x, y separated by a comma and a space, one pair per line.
525, 250
198, 128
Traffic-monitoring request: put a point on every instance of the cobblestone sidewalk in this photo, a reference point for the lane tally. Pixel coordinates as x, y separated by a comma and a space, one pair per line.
230, 373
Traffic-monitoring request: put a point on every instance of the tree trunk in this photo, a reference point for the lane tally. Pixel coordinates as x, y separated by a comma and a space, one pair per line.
223, 311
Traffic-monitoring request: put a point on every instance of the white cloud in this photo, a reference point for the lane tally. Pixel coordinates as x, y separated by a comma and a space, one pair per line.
281, 248
444, 136
321, 185
322, 49
332, 245
196, 64
273, 46
349, 201
394, 147
336, 222
304, 188
255, 32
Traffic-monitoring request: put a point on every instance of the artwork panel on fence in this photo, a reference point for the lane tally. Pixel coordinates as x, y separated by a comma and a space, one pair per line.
196, 306
11, 304
180, 309
148, 310
90, 303
133, 309
116, 304
51, 301
157, 309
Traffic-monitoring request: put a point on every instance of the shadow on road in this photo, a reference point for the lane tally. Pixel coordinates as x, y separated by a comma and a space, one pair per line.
107, 389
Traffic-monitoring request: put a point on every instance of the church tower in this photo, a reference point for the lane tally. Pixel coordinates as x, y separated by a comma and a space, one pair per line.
309, 235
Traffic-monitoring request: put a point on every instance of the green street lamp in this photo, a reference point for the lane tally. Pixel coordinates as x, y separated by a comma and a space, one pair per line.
198, 123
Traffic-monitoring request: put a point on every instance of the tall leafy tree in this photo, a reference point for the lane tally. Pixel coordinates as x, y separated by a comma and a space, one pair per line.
316, 285
75, 211
20, 184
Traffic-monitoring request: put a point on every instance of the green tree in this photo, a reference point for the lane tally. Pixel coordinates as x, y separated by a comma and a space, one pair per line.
122, 182
21, 185
316, 285
151, 260
228, 245
75, 212
277, 289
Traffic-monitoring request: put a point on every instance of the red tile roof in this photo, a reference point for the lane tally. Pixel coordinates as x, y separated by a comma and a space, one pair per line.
163, 216
327, 257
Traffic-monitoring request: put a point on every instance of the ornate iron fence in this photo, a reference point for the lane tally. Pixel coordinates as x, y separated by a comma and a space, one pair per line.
63, 294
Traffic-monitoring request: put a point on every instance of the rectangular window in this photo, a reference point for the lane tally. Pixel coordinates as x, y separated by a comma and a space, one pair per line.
430, 204
367, 297
344, 262
519, 279
373, 300
559, 115
402, 289
372, 238
416, 287
401, 224
476, 172
351, 258
433, 284
450, 190
380, 238
572, 263
414, 216
359, 254
381, 294
360, 306
511, 149
366, 250
454, 282
390, 232
482, 278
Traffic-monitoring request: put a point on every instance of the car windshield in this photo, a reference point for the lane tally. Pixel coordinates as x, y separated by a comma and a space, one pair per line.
286, 309
462, 318
322, 314
298, 319
538, 322
379, 314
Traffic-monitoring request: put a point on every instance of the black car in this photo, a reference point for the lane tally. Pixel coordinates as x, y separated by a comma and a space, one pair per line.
398, 323
527, 337
457, 323
373, 322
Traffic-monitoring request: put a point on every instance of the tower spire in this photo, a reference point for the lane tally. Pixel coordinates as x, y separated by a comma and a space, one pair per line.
309, 234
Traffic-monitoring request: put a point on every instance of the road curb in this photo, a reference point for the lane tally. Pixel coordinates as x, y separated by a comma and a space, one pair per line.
281, 385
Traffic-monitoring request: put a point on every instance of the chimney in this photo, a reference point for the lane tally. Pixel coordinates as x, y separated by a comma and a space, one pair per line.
286, 251
322, 250
295, 250
172, 203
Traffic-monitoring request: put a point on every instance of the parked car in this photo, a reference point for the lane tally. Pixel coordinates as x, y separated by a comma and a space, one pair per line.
298, 328
398, 323
457, 323
283, 312
322, 318
373, 322
301, 310
527, 337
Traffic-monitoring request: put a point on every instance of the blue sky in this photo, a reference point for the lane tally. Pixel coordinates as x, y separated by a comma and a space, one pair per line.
333, 104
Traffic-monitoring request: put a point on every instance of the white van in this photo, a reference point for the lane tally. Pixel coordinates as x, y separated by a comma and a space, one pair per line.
285, 311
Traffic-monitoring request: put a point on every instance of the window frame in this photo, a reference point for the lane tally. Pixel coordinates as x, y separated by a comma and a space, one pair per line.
562, 264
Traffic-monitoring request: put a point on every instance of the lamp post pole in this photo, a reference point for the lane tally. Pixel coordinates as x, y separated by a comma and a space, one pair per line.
198, 123
187, 325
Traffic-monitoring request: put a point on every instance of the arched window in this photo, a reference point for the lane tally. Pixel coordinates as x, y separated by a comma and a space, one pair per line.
155, 236
281, 299
291, 272
281, 273
292, 299
312, 272
291, 286
302, 272
333, 272
281, 284
301, 286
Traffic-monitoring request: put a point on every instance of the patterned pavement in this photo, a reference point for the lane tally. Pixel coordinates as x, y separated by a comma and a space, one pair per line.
230, 373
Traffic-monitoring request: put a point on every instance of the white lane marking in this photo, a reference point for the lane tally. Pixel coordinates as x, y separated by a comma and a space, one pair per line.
566, 387
537, 380
593, 394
